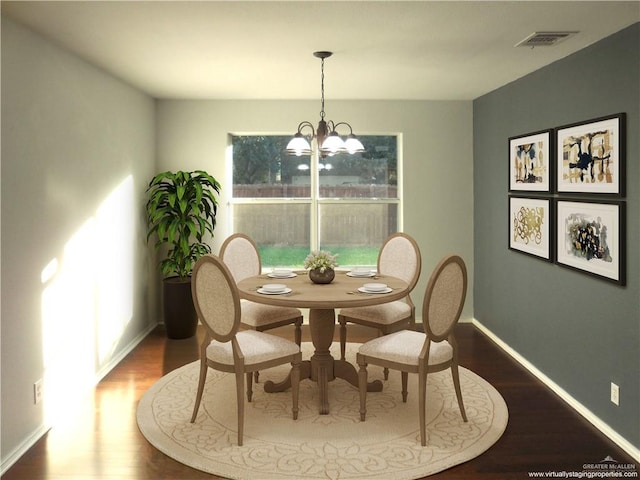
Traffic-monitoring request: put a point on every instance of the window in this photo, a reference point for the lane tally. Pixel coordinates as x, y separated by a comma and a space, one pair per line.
347, 204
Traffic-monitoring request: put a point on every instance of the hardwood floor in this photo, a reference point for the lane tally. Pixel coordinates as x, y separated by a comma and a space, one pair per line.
103, 440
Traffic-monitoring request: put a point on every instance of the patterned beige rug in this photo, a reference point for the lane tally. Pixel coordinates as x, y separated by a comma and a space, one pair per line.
336, 446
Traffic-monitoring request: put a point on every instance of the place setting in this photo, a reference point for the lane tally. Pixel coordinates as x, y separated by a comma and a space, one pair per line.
282, 273
274, 289
363, 272
375, 288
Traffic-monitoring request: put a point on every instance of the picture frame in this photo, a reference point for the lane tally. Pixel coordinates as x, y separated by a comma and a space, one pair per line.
591, 237
590, 156
531, 225
530, 162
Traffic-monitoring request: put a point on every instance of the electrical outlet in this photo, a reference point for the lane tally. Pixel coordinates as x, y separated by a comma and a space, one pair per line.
615, 393
37, 392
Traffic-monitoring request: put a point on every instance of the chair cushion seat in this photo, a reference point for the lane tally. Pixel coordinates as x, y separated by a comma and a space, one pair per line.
405, 347
384, 314
256, 347
258, 315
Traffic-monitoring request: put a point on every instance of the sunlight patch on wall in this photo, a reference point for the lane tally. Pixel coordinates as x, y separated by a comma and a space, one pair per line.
68, 326
87, 302
114, 267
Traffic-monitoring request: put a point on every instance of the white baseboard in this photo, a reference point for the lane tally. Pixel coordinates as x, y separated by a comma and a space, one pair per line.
111, 364
558, 390
37, 434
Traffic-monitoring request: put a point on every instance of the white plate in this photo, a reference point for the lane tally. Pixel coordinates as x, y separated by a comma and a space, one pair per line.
274, 287
375, 287
289, 275
386, 290
361, 275
281, 271
280, 292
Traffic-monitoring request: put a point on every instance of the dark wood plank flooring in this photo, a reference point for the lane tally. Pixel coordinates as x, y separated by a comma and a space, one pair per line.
103, 441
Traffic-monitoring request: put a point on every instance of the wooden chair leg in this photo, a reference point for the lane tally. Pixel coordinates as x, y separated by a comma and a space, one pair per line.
298, 332
456, 385
203, 377
256, 376
385, 370
240, 401
295, 386
405, 377
362, 387
422, 395
249, 386
343, 339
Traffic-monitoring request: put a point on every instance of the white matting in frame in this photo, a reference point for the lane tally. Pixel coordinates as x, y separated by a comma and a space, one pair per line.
590, 237
529, 226
590, 156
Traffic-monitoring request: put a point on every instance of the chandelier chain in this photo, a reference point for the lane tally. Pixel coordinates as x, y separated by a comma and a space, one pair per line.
322, 87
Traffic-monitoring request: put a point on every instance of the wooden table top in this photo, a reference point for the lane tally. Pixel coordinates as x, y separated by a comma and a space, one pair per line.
340, 293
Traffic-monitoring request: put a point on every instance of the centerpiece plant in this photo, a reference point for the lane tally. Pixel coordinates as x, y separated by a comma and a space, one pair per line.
321, 265
181, 210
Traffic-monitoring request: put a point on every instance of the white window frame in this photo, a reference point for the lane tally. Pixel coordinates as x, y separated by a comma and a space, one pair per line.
315, 201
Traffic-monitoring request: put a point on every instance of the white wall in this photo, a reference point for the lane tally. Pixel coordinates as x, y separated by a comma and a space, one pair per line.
437, 151
77, 152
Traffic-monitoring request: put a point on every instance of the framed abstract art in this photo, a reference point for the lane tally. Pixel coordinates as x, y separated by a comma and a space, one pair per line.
590, 156
590, 237
530, 164
530, 226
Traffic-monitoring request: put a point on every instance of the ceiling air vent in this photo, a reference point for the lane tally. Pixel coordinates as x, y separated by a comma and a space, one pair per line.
544, 39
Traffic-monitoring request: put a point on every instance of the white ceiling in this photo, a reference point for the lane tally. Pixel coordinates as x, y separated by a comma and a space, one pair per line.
447, 50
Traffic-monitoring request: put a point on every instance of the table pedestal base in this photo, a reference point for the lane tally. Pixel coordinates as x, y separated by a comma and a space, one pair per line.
323, 368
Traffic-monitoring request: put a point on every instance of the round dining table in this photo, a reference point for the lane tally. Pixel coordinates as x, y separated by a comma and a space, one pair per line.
322, 300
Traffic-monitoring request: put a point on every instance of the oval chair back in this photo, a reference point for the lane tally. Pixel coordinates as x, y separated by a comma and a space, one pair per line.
400, 257
444, 298
240, 253
216, 297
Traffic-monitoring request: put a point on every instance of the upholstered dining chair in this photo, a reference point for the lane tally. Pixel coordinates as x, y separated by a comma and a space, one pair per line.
423, 353
400, 257
225, 348
240, 253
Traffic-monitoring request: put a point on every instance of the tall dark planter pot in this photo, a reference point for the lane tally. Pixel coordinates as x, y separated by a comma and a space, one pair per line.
180, 318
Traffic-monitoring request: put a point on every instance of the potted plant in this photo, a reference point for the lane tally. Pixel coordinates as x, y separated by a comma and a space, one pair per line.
181, 209
321, 266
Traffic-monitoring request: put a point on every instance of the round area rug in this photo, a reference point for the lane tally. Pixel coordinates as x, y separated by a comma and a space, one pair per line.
336, 446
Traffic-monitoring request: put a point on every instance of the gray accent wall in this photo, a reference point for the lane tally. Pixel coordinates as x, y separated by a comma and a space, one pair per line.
581, 332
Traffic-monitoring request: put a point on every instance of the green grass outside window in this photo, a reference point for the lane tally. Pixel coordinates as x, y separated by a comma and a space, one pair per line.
277, 256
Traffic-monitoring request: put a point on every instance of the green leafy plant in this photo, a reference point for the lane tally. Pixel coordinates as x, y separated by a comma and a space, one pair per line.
182, 207
320, 260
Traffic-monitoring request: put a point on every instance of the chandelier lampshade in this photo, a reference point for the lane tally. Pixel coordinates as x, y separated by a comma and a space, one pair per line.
298, 145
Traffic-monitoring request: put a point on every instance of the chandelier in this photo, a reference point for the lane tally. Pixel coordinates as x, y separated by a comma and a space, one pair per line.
327, 138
